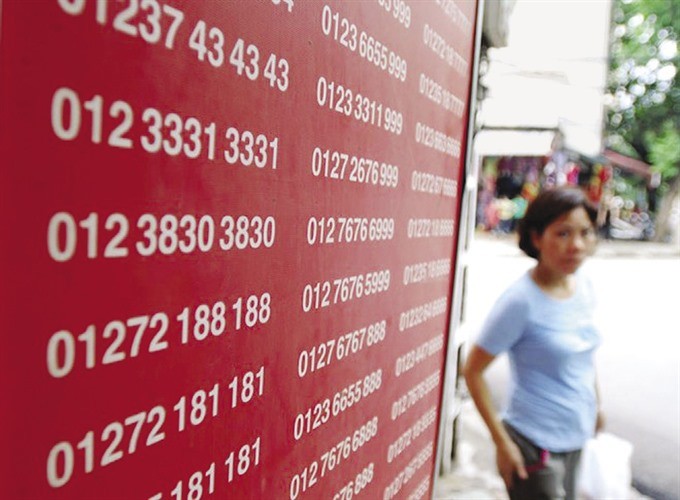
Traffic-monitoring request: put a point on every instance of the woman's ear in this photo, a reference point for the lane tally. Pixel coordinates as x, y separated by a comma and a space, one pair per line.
536, 240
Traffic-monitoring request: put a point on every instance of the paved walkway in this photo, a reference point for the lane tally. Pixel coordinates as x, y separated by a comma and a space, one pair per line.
474, 474
506, 246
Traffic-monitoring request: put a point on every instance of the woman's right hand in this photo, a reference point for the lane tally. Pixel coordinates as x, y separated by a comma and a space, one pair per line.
509, 461
508, 456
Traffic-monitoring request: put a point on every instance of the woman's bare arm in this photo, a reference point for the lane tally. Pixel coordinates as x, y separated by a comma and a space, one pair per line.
508, 456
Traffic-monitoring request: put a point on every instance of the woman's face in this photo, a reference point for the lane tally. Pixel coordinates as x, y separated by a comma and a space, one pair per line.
566, 242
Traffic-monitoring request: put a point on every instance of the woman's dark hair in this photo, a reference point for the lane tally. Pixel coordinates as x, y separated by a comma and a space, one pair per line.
548, 206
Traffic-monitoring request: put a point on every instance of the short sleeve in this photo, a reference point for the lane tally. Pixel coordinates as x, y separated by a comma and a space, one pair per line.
505, 323
591, 293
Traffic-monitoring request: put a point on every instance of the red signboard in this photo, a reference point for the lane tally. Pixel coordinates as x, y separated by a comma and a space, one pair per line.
229, 236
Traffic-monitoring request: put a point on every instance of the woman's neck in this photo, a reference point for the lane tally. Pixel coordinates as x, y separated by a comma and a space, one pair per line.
558, 286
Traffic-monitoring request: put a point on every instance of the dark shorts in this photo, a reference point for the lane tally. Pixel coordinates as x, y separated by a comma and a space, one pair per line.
551, 475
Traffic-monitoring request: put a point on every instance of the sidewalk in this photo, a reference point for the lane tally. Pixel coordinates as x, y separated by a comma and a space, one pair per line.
506, 246
474, 474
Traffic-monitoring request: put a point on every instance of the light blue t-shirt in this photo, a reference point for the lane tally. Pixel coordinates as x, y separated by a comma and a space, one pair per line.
551, 345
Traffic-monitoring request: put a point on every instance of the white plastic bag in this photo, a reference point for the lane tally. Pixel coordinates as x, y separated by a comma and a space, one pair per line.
605, 471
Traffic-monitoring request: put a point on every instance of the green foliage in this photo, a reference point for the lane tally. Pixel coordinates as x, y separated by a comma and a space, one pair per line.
644, 112
664, 150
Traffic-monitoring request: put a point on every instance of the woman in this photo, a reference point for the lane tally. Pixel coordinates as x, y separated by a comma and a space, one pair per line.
544, 321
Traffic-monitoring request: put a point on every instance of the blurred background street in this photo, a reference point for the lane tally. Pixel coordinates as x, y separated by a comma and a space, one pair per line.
582, 93
638, 284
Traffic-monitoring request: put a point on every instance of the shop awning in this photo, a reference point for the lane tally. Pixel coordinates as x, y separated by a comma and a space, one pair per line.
514, 142
628, 164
